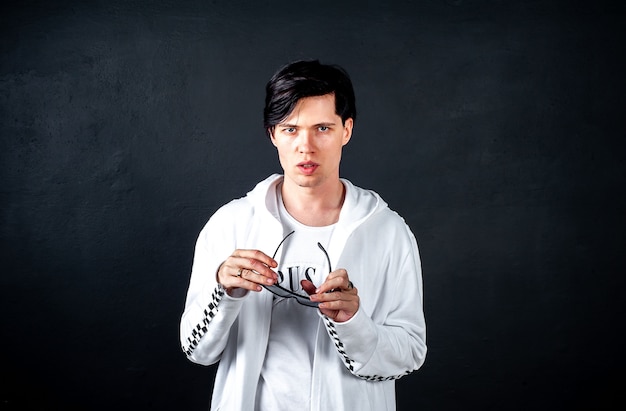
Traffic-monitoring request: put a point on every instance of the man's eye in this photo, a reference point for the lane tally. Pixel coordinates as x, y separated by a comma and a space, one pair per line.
289, 130
323, 128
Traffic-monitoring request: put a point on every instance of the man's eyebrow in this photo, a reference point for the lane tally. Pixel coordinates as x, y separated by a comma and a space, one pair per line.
323, 124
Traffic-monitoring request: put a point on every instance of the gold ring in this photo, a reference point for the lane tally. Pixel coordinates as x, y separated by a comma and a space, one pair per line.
239, 272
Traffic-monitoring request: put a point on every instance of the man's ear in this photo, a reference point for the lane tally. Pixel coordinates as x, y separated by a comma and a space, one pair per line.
347, 130
270, 134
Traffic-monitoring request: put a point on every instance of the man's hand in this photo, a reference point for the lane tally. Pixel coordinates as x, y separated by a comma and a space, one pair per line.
338, 298
247, 269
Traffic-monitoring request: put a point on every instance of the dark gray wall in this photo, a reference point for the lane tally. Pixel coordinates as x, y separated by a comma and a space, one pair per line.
495, 128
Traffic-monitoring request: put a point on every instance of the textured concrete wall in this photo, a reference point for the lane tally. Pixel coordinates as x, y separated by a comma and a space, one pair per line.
495, 128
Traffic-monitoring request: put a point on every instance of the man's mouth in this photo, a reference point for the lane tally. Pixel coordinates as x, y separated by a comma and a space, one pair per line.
307, 167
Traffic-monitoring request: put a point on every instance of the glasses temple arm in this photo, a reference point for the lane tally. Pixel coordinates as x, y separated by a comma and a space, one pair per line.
281, 243
327, 257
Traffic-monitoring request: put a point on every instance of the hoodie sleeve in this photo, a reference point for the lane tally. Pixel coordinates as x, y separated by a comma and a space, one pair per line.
209, 312
387, 341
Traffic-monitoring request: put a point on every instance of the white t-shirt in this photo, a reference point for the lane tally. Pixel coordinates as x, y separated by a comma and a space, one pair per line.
285, 381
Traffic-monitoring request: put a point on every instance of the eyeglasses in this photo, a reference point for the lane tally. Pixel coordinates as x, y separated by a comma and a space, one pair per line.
284, 292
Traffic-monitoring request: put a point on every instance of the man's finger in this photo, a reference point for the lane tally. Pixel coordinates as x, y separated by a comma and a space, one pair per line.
308, 286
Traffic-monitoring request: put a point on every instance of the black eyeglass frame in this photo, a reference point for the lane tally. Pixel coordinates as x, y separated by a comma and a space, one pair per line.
285, 293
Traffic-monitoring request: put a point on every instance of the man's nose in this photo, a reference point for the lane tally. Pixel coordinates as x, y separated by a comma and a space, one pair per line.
305, 142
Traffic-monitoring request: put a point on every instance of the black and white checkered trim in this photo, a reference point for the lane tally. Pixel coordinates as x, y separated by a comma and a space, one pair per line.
201, 328
348, 362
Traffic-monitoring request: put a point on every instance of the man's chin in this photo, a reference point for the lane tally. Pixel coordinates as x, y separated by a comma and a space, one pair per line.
306, 181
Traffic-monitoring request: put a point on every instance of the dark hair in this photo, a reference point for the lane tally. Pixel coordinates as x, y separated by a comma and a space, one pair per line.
307, 78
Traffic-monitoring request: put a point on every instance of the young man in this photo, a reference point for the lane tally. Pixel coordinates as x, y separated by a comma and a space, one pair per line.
308, 290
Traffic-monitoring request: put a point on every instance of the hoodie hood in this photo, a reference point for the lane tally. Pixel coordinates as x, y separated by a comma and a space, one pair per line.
358, 206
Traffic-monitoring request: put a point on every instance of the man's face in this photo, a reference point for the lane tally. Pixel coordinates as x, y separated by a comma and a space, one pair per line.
309, 141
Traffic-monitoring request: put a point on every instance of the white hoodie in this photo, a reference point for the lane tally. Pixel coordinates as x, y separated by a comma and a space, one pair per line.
356, 362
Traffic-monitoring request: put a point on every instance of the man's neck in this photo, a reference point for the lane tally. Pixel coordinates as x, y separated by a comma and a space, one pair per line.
314, 206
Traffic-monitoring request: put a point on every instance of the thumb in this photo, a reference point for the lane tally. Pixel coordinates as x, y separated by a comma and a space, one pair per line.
308, 286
